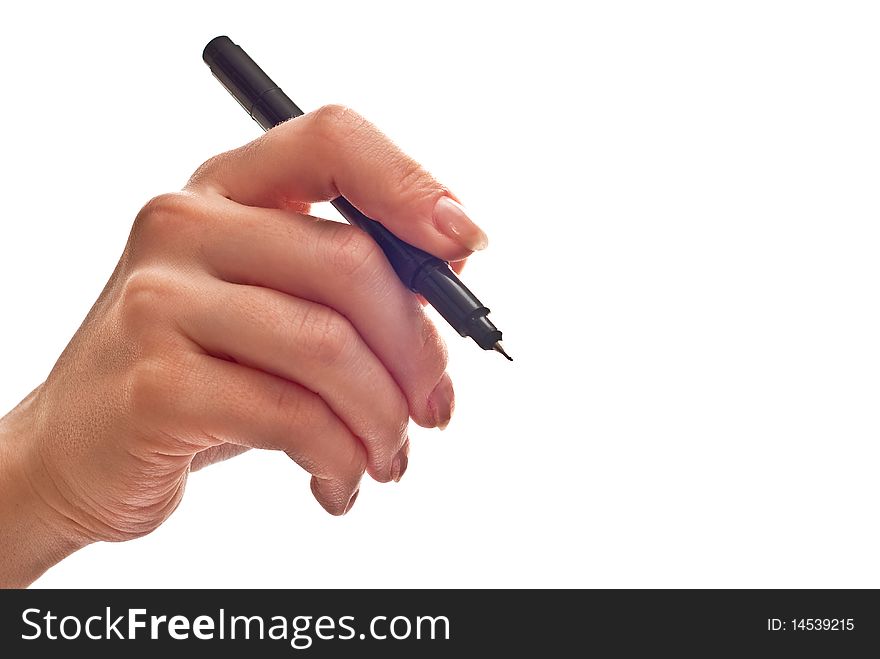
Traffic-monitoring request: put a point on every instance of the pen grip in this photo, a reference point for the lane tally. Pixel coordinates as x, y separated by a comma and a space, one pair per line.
424, 273
406, 260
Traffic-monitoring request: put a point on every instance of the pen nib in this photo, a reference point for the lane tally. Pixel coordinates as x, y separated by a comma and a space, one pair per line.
500, 348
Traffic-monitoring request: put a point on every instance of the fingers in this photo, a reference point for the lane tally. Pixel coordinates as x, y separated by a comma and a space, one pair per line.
334, 151
222, 402
340, 267
312, 345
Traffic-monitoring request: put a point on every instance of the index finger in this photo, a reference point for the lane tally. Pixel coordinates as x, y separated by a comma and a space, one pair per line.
334, 151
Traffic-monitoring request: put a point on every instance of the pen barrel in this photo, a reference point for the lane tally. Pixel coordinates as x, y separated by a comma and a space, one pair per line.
248, 84
273, 108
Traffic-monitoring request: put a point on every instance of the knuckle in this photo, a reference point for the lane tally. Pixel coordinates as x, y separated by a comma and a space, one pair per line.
165, 214
144, 293
149, 384
353, 253
157, 382
412, 178
328, 335
205, 173
337, 122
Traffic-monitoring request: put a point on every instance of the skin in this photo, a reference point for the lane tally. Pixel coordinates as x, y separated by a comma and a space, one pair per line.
235, 320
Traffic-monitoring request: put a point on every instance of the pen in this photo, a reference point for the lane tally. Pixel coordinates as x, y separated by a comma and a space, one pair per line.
421, 272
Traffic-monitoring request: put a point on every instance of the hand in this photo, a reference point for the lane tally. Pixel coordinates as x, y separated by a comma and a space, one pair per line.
234, 320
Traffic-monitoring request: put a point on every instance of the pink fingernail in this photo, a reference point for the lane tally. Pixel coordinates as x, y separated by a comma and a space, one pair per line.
451, 219
400, 463
351, 501
442, 402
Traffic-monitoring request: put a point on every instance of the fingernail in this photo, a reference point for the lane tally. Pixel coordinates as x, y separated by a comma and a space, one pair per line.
451, 219
442, 402
351, 501
400, 463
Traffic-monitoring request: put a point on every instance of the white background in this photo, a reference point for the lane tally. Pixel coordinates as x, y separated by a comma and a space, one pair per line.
682, 201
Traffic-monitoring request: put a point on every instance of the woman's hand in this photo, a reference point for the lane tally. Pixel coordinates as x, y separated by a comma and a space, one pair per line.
234, 320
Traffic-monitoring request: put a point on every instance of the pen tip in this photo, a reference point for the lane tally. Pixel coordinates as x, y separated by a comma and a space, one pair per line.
500, 348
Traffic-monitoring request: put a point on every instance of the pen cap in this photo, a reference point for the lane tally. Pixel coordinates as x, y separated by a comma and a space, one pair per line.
248, 83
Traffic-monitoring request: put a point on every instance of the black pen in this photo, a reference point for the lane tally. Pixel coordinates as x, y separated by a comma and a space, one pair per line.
421, 272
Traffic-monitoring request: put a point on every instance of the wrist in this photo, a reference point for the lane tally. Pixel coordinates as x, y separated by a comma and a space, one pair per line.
33, 535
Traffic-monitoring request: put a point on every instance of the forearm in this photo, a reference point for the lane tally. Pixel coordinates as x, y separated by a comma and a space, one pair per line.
33, 536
